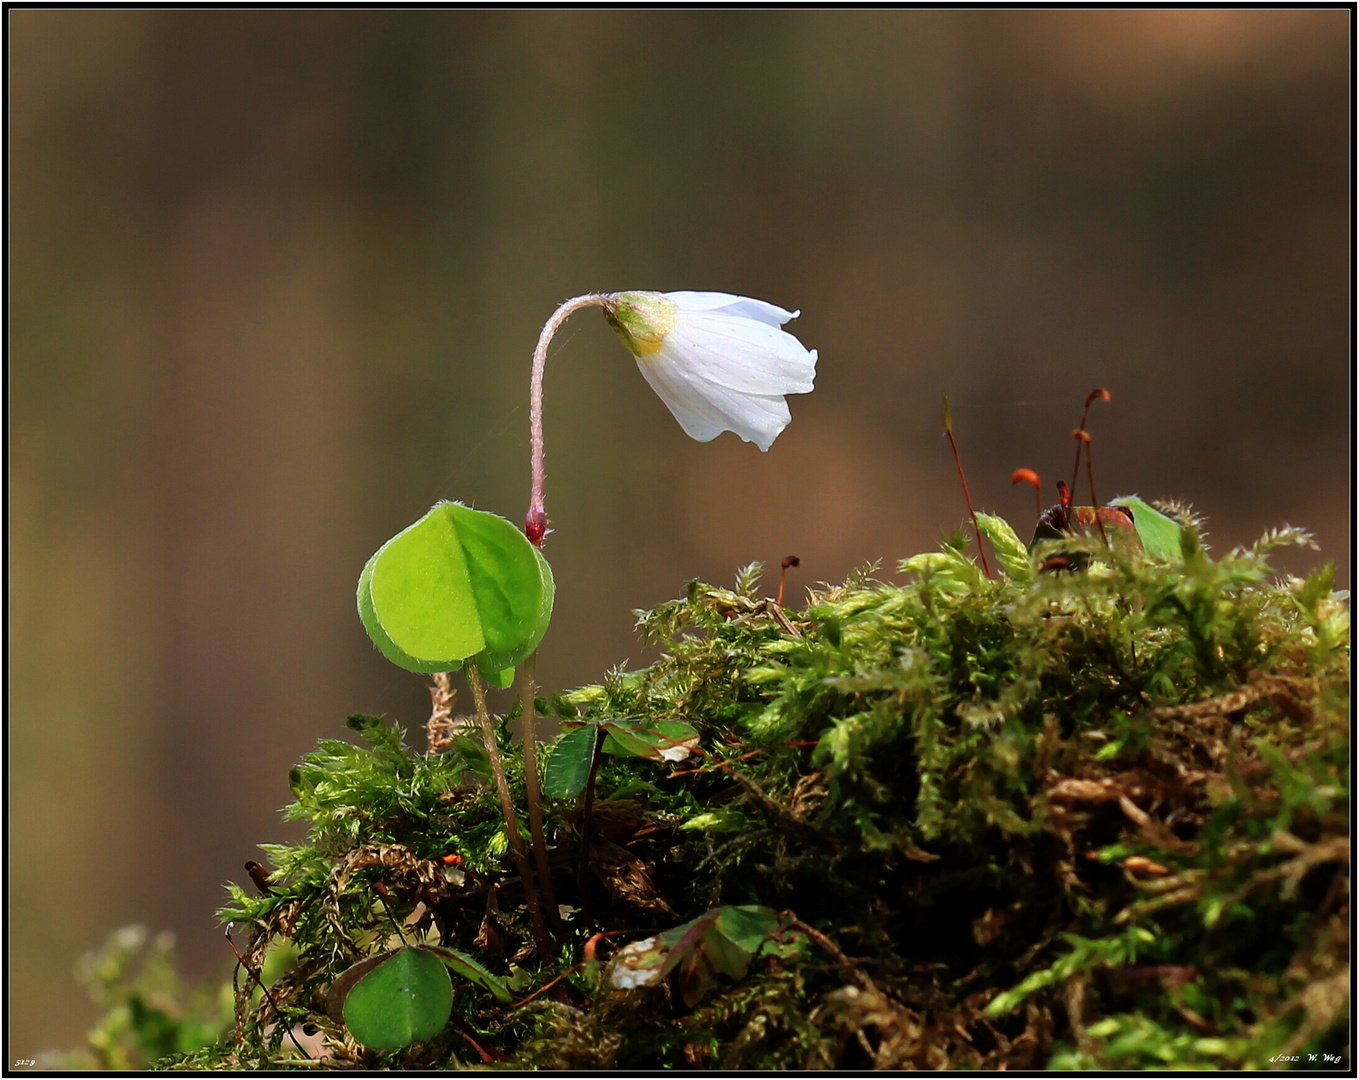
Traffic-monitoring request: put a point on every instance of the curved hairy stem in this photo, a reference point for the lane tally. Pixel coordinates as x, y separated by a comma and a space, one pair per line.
535, 525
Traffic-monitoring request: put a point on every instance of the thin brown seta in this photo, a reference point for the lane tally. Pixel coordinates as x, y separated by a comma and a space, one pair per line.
1083, 441
382, 894
967, 496
740, 757
1084, 436
1097, 394
268, 996
788, 561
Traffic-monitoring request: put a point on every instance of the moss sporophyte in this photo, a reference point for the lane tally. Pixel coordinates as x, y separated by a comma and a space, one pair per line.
1095, 819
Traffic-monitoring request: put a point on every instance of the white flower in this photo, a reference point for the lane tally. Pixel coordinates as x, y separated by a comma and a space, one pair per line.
719, 362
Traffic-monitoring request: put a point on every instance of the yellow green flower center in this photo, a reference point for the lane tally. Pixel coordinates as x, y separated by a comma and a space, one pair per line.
641, 319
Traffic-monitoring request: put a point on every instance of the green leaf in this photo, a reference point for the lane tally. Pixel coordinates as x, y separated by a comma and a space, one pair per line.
727, 957
492, 659
458, 583
720, 941
502, 679
1010, 550
655, 740
1159, 534
684, 939
339, 989
507, 575
569, 766
748, 925
405, 998
373, 625
469, 969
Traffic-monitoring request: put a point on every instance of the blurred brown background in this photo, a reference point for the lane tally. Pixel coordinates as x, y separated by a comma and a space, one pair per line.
276, 278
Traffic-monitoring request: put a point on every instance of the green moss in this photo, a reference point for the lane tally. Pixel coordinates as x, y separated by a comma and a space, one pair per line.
1092, 820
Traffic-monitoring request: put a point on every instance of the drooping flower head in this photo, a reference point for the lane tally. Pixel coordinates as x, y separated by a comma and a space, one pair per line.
719, 362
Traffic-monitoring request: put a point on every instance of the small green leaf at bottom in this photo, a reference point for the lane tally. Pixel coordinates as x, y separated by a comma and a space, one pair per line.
404, 999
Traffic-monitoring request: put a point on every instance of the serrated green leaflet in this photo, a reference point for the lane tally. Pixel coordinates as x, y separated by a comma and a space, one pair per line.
458, 583
404, 999
569, 766
469, 969
658, 740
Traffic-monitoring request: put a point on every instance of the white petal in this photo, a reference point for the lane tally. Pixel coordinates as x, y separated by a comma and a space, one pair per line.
757, 418
742, 354
742, 306
719, 362
695, 426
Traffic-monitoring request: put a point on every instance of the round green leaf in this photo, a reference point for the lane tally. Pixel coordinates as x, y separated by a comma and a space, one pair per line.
491, 661
507, 581
457, 583
373, 625
406, 999
339, 989
748, 925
